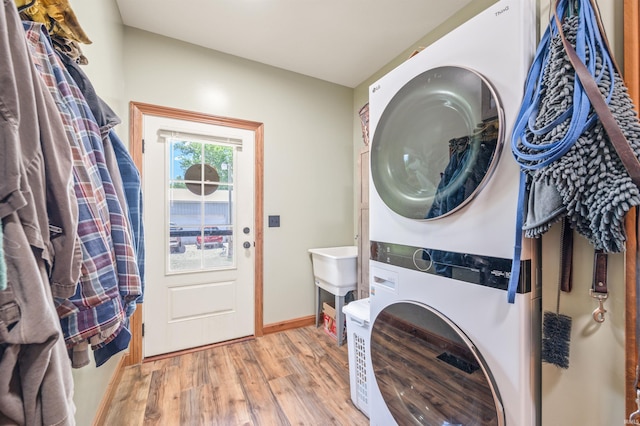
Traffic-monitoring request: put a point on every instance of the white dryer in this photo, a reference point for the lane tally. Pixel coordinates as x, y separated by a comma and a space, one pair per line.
446, 348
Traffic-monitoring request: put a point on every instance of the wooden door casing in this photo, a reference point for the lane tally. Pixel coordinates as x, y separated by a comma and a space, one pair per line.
137, 110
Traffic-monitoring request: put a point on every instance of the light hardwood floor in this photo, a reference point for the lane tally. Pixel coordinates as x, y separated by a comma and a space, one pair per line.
294, 377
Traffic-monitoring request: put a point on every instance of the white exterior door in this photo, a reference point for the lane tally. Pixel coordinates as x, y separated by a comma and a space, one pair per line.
198, 182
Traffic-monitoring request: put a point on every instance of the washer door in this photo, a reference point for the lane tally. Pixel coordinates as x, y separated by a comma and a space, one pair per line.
436, 143
429, 372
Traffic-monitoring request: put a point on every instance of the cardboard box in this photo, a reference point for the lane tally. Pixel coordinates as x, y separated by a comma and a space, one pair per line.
329, 316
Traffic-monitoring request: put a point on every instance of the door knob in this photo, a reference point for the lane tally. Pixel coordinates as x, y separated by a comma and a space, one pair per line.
246, 244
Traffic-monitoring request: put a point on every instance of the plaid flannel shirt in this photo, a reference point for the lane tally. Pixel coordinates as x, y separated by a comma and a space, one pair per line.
107, 119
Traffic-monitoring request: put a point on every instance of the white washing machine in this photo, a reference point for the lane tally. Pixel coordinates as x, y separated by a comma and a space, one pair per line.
446, 348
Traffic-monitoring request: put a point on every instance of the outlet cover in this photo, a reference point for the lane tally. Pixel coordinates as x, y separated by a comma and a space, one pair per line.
274, 221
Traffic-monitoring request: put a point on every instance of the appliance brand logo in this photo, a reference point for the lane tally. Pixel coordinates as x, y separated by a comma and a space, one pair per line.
375, 88
498, 273
501, 11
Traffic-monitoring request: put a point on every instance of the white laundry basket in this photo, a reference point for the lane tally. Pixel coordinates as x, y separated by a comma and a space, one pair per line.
357, 316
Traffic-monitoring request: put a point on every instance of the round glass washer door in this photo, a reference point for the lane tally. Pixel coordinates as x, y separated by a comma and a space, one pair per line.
437, 143
429, 372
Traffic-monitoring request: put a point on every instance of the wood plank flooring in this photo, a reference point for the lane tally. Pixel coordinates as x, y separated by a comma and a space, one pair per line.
294, 377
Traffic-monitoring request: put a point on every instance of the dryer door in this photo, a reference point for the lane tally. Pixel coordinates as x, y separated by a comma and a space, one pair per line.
436, 143
428, 371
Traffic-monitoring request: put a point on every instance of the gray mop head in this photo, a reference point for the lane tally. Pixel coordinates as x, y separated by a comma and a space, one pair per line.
556, 335
594, 186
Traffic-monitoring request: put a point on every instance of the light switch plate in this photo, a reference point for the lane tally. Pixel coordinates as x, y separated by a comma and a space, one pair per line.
274, 221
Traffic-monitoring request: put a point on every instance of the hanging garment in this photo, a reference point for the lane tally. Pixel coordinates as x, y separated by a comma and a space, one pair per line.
116, 161
126, 170
133, 192
104, 351
106, 120
36, 167
70, 49
35, 375
111, 278
57, 15
104, 116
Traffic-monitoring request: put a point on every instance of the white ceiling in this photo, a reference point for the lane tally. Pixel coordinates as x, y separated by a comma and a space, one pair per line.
340, 41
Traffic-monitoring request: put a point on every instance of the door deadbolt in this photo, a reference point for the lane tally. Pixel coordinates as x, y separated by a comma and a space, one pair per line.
246, 244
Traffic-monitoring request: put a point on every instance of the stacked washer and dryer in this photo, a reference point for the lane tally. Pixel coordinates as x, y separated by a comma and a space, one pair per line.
446, 348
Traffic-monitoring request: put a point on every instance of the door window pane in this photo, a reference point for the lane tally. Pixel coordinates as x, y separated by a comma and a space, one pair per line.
200, 205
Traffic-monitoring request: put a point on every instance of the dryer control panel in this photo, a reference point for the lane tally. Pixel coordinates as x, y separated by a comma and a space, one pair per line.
472, 268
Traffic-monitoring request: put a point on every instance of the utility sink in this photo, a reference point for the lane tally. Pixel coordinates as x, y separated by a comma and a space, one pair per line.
335, 271
335, 268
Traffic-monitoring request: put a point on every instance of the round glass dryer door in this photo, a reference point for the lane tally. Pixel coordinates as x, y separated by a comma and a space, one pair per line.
437, 143
429, 372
